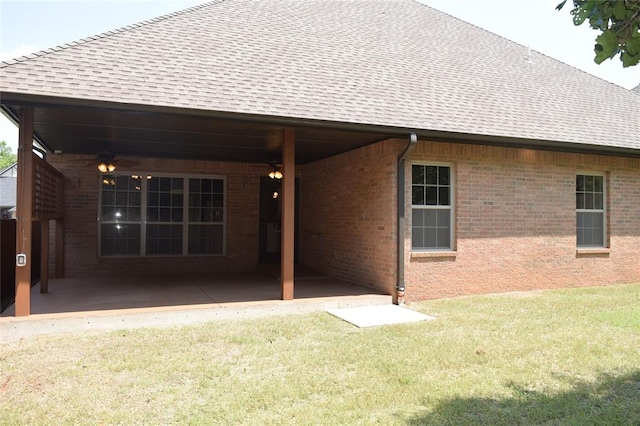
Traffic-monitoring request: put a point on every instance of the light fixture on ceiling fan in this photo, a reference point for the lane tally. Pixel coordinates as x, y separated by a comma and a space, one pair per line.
275, 172
105, 162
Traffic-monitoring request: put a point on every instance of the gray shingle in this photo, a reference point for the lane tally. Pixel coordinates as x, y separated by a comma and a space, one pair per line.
393, 63
7, 192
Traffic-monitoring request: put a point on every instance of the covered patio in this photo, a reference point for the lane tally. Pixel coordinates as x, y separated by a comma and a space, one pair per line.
149, 144
184, 171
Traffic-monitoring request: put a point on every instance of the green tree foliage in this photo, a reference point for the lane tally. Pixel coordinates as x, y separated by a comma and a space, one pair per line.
7, 157
618, 21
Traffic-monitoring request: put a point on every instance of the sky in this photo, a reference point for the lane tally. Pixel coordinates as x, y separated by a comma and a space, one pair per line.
27, 26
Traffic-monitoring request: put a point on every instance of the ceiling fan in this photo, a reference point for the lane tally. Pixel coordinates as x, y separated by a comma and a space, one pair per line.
107, 162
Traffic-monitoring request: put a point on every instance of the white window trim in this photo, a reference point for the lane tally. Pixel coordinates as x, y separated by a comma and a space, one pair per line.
605, 241
450, 207
143, 214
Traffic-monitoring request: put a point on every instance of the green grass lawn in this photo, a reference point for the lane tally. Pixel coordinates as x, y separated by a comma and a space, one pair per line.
552, 357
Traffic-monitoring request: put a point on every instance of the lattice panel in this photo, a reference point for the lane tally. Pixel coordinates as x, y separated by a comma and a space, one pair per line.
47, 190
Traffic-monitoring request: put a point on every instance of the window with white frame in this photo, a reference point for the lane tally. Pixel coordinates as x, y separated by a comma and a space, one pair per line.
590, 210
431, 211
144, 215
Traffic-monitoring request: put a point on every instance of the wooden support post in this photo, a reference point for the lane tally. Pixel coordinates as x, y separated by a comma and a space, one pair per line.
59, 251
24, 212
288, 213
44, 256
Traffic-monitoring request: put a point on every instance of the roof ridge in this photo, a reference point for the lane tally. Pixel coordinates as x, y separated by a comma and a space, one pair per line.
74, 43
519, 44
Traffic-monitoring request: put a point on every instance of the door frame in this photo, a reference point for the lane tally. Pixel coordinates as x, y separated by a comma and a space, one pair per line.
270, 210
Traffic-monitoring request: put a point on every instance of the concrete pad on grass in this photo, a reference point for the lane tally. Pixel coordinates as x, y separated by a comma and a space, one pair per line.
371, 316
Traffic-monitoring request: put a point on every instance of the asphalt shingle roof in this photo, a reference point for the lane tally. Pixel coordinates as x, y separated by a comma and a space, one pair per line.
393, 63
8, 191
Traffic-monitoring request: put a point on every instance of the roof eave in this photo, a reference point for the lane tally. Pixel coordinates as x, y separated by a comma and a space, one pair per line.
524, 143
12, 116
29, 100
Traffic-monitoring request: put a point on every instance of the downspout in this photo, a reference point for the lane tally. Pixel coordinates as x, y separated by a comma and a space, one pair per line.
413, 139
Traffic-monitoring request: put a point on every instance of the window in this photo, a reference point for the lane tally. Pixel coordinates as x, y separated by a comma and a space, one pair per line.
206, 205
431, 212
120, 224
161, 215
590, 208
165, 215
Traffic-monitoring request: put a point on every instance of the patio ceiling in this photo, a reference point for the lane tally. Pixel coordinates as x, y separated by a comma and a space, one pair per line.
155, 132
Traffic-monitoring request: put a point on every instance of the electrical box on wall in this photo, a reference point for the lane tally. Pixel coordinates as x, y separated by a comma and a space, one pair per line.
21, 259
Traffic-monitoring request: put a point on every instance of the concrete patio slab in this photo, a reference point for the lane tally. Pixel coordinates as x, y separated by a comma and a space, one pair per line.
12, 328
100, 303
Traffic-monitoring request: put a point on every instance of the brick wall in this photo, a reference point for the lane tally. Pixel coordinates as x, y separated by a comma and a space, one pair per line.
348, 215
81, 212
515, 223
514, 220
